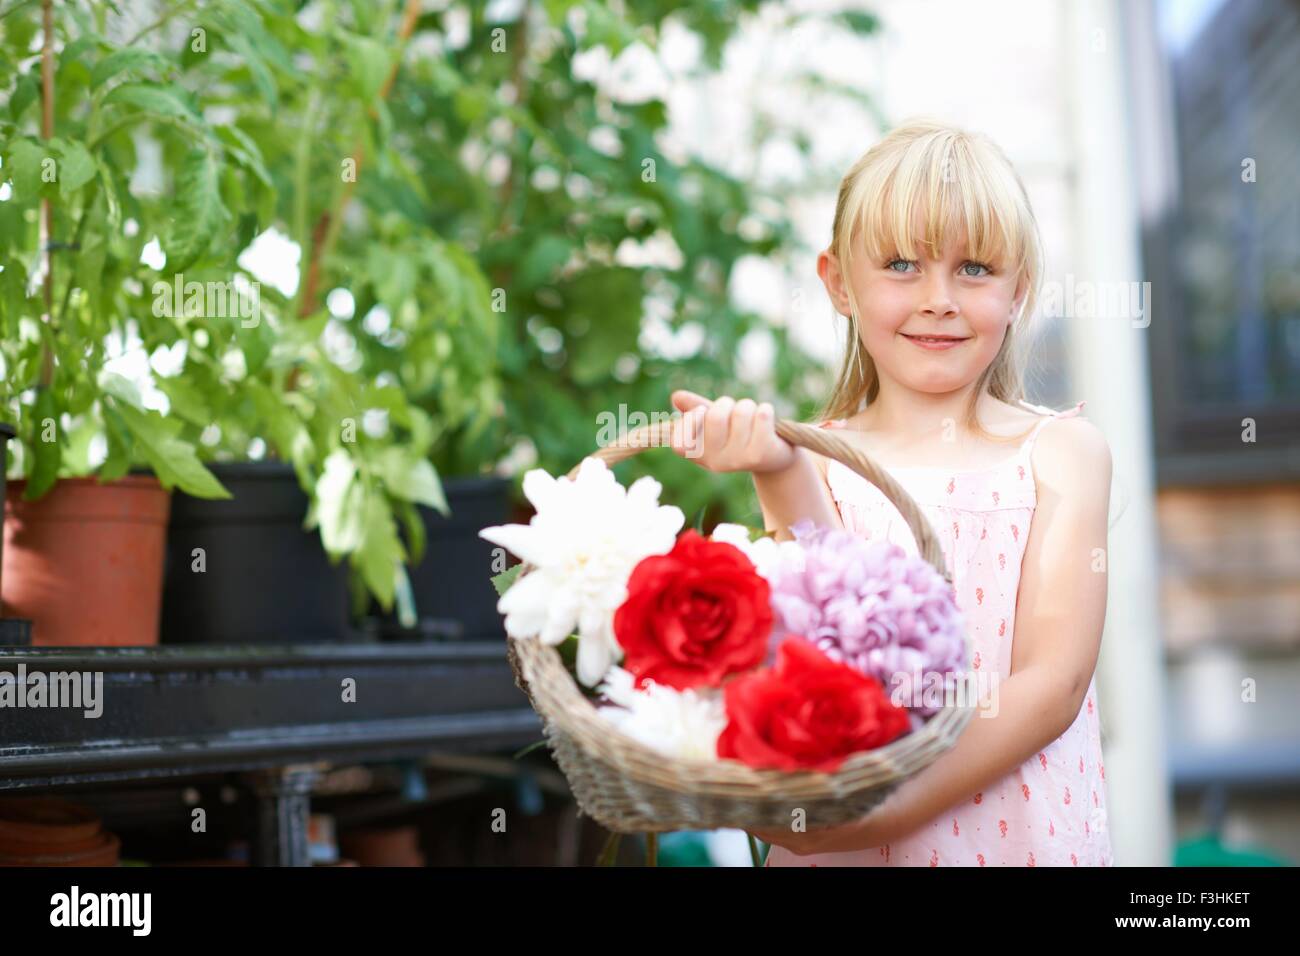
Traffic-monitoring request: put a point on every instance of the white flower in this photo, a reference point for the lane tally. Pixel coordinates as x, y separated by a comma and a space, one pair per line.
769, 556
677, 723
587, 536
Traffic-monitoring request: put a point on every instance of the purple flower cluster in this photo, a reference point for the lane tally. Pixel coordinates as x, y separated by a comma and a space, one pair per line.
873, 606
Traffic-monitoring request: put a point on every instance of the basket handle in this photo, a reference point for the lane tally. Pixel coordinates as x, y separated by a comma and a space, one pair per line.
659, 433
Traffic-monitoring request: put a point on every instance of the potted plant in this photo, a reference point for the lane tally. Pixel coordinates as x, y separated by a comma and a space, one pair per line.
319, 437
84, 528
159, 347
593, 241
384, 343
432, 316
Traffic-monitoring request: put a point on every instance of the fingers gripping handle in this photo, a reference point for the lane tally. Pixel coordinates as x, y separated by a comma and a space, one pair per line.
659, 434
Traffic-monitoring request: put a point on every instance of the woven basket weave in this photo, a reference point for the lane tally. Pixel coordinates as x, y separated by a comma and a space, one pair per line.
628, 787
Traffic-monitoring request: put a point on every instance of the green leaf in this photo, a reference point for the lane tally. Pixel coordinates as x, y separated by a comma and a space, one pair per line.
392, 277
13, 286
134, 60
246, 153
118, 462
26, 91
381, 555
158, 100
187, 399
257, 68
113, 205
76, 165
302, 452
76, 456
46, 455
277, 421
413, 479
199, 213
864, 24
340, 504
121, 388
413, 523
174, 461
568, 649
547, 254
90, 265
557, 11
24, 167
506, 578
368, 63
471, 103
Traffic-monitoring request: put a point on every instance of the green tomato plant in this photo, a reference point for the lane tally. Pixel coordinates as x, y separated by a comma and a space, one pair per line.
137, 335
450, 198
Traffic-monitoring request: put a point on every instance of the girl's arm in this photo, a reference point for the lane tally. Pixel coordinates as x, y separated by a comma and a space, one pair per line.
1060, 611
799, 491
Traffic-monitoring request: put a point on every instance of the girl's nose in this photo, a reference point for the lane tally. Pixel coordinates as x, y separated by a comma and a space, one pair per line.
937, 298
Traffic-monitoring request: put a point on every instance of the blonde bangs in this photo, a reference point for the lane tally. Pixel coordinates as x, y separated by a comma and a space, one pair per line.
926, 185
957, 186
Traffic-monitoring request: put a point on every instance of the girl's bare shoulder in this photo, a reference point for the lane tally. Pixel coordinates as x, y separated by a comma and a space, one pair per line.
1072, 444
1007, 420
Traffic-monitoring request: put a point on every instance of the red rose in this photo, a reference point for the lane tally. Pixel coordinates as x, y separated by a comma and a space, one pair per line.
808, 712
694, 615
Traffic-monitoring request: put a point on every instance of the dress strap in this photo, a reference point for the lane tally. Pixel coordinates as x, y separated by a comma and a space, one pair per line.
1048, 415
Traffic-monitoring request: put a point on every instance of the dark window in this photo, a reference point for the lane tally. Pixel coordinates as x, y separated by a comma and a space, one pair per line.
1217, 119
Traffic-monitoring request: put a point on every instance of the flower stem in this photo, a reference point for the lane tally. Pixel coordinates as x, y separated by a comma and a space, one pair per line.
753, 850
610, 851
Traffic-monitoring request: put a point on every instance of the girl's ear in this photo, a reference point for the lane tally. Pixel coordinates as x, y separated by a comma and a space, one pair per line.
1022, 289
828, 268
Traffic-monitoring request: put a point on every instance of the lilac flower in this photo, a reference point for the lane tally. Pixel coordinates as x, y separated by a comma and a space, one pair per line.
870, 604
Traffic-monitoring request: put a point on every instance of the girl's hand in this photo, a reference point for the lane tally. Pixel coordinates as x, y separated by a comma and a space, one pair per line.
729, 435
873, 830
821, 840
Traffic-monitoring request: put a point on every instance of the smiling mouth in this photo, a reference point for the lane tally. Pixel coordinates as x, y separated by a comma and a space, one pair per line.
935, 339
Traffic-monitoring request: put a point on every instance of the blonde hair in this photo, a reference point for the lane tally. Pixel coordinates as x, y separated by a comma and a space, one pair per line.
962, 183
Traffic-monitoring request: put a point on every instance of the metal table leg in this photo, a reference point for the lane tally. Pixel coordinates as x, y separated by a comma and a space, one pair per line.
283, 806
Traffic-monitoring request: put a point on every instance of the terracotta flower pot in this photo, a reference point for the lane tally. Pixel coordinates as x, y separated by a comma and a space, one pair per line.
398, 846
105, 852
85, 561
47, 831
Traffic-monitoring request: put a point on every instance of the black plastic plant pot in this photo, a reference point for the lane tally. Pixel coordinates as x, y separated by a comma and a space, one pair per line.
15, 632
243, 571
454, 581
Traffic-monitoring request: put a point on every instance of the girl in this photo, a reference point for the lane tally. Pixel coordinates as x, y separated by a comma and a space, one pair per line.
935, 263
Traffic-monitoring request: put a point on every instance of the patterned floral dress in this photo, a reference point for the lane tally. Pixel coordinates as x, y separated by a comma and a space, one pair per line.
1051, 810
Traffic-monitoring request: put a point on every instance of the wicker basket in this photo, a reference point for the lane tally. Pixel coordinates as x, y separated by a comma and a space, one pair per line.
628, 787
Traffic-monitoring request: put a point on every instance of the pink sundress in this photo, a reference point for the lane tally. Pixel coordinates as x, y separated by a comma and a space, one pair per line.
1051, 810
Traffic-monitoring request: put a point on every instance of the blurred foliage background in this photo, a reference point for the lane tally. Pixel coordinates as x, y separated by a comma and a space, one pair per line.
460, 243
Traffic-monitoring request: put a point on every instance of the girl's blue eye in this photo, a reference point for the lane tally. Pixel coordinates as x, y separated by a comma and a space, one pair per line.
970, 275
